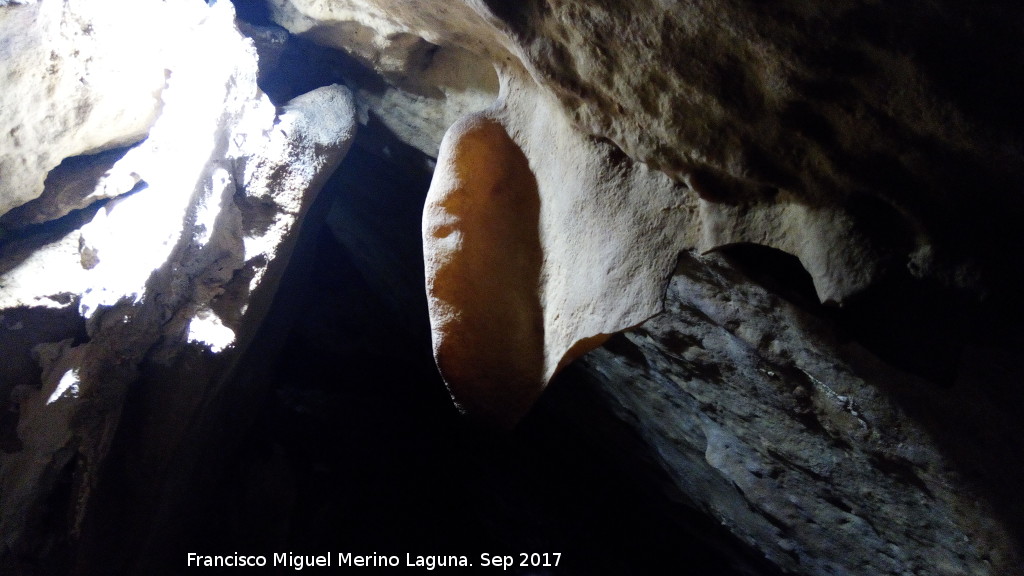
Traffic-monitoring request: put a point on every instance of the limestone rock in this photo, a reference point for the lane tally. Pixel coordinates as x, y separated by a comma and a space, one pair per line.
393, 37
876, 143
78, 80
806, 444
185, 266
483, 208
779, 134
77, 183
835, 107
428, 82
454, 83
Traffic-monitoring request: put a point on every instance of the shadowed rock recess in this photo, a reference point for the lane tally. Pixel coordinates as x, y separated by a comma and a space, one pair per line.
723, 287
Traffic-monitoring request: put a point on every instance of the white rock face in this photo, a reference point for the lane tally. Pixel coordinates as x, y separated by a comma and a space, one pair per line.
78, 78
190, 260
391, 36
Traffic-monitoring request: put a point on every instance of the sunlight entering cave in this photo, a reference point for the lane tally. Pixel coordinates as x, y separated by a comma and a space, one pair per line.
211, 86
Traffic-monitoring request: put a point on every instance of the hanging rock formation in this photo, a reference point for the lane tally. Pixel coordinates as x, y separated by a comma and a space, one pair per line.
780, 136
845, 136
770, 240
510, 252
484, 208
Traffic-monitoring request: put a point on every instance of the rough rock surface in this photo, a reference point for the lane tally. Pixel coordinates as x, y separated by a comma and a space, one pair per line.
777, 120
425, 84
77, 81
878, 112
184, 266
802, 441
877, 144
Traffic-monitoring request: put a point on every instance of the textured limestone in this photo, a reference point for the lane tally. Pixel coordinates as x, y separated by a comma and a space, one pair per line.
77, 183
806, 444
429, 81
871, 141
842, 258
78, 81
875, 143
183, 267
803, 129
393, 37
832, 105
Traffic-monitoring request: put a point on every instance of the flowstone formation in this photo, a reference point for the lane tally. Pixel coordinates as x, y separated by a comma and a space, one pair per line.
468, 223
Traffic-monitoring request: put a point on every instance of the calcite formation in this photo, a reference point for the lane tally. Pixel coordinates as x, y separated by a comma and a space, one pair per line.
483, 208
508, 258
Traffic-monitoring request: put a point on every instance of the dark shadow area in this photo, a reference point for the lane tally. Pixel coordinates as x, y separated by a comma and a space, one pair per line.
289, 65
775, 270
17, 245
21, 329
625, 515
253, 11
360, 450
303, 66
911, 324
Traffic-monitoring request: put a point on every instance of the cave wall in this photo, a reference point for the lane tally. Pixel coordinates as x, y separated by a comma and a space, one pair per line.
157, 269
799, 216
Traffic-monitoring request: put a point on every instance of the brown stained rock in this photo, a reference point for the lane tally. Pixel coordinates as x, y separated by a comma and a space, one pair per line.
483, 256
